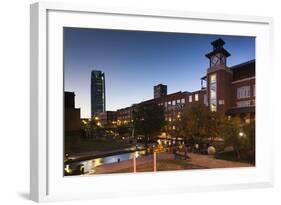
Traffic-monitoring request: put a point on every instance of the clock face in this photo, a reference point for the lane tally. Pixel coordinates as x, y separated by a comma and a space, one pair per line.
218, 59
223, 60
215, 60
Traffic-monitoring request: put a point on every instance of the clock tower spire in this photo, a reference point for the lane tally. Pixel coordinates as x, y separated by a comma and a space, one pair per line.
219, 55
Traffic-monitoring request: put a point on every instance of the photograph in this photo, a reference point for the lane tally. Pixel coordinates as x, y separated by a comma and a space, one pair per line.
148, 101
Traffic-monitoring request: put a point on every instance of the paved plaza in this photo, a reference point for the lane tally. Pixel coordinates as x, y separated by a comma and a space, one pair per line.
196, 161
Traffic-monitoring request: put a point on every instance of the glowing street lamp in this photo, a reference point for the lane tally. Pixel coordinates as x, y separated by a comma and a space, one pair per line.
242, 135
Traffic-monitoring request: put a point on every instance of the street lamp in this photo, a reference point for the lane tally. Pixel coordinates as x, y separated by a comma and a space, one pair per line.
242, 135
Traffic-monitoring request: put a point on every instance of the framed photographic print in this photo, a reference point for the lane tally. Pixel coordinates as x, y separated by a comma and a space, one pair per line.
123, 98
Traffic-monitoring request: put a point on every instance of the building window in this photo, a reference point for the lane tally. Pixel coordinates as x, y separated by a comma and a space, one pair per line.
183, 100
213, 78
243, 92
196, 97
178, 101
173, 102
243, 103
205, 100
190, 98
221, 102
166, 104
213, 92
169, 102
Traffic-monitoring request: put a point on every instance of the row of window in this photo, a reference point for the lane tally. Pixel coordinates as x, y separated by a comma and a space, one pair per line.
173, 102
196, 97
124, 113
172, 118
242, 92
180, 101
245, 91
245, 103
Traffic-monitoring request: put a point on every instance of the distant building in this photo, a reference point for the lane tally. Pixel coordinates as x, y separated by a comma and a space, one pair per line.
160, 90
72, 123
107, 118
69, 100
97, 92
72, 114
124, 115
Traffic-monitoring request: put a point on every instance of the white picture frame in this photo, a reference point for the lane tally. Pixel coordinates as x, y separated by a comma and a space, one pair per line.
46, 177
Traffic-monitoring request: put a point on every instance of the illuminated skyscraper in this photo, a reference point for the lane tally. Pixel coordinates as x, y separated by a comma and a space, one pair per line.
97, 92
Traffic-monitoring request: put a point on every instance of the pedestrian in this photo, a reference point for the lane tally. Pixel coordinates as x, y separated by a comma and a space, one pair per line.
197, 148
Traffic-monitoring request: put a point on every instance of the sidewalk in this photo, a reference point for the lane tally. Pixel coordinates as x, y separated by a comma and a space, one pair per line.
111, 168
209, 161
206, 161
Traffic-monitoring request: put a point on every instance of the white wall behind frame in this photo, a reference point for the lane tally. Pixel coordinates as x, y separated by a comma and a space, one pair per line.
14, 85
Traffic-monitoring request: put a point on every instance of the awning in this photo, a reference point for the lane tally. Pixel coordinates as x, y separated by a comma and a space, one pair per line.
241, 110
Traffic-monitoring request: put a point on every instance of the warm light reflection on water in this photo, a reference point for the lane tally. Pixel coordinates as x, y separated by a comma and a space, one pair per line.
90, 165
115, 158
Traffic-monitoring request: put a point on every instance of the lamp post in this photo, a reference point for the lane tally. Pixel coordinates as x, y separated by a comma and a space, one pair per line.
154, 161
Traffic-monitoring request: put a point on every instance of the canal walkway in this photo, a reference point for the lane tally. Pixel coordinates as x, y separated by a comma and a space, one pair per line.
115, 167
204, 161
210, 162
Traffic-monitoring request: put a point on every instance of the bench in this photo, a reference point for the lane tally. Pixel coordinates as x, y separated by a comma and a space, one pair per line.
180, 155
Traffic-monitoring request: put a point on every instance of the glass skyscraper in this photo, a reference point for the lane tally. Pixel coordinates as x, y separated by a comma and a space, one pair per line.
97, 92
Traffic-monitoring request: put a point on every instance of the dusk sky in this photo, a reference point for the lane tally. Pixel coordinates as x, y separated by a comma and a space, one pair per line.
135, 61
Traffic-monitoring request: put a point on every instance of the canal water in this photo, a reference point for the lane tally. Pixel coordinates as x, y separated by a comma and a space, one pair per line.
90, 165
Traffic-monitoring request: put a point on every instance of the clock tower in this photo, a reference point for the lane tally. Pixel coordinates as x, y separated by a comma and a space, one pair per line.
219, 78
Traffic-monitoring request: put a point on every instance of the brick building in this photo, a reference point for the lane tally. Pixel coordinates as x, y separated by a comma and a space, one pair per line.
107, 118
229, 90
243, 90
124, 115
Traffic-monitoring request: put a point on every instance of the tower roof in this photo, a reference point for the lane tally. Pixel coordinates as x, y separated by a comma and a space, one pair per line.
218, 48
217, 43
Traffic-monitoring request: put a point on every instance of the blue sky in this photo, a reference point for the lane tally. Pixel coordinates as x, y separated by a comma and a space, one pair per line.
135, 61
